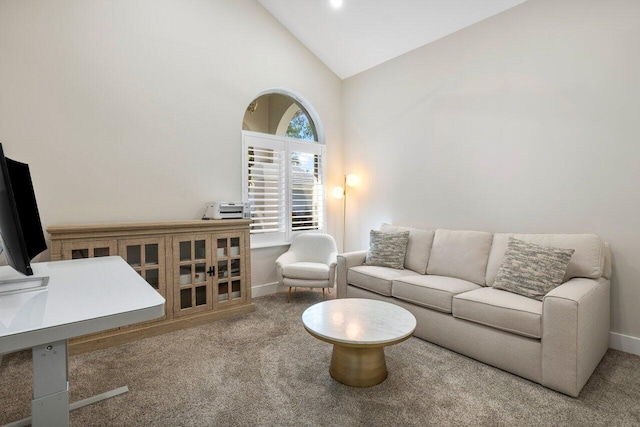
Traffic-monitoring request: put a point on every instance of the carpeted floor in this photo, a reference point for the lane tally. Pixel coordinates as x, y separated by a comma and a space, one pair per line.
265, 369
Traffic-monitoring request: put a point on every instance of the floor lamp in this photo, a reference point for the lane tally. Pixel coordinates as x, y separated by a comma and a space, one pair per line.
350, 180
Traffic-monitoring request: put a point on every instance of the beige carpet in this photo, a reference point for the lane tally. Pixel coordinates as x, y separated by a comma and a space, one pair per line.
265, 369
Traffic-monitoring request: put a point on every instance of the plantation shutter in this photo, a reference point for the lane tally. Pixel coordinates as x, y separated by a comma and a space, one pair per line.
284, 184
307, 187
264, 186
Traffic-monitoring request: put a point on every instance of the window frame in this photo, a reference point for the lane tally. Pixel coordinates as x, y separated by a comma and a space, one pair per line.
290, 145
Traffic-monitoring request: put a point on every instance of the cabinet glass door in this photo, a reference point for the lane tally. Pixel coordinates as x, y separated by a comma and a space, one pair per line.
146, 256
89, 249
230, 269
191, 276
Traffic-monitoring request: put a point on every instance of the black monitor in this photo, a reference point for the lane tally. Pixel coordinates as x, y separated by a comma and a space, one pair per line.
20, 225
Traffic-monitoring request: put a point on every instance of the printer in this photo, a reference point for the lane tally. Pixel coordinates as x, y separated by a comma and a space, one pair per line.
227, 210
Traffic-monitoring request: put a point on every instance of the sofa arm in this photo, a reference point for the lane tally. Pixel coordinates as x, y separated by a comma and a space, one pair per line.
345, 262
333, 263
575, 332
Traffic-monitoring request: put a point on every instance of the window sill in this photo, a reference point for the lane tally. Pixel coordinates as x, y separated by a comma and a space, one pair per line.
269, 245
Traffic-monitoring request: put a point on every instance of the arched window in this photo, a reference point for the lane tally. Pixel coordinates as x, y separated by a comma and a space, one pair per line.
296, 124
284, 170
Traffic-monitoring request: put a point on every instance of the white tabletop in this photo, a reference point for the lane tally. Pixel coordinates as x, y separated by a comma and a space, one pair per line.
359, 321
83, 296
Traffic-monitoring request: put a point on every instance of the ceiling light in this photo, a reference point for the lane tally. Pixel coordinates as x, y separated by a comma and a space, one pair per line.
336, 3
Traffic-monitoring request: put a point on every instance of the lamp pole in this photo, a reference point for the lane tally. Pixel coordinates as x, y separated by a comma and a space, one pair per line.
350, 180
344, 213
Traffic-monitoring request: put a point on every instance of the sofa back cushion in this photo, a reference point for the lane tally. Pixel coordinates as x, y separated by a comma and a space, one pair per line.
587, 260
608, 267
461, 254
418, 248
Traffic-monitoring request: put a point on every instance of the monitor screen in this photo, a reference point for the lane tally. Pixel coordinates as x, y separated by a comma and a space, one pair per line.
20, 225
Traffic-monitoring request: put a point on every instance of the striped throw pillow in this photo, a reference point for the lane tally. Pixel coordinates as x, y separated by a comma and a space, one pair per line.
532, 270
387, 249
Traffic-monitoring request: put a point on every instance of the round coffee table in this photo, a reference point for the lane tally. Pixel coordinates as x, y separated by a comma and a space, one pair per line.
359, 329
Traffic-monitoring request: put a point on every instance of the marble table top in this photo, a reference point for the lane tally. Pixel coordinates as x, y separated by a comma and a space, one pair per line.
359, 321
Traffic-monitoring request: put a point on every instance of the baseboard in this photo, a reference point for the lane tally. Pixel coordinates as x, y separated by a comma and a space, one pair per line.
625, 343
266, 289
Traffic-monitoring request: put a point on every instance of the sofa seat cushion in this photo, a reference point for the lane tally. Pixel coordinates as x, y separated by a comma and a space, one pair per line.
306, 270
376, 279
501, 310
435, 292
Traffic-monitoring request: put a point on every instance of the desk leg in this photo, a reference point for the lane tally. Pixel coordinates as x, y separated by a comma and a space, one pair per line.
50, 404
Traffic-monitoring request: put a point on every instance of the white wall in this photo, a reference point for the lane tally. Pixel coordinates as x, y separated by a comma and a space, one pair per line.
525, 122
131, 110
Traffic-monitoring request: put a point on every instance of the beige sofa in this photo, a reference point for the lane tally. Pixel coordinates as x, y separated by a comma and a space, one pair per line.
446, 284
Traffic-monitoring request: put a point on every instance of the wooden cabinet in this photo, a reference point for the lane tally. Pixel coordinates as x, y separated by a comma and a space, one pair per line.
201, 268
89, 249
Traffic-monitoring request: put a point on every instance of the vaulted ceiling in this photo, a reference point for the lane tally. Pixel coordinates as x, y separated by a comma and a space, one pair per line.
361, 34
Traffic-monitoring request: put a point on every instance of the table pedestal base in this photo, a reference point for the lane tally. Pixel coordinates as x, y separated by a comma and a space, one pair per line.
358, 366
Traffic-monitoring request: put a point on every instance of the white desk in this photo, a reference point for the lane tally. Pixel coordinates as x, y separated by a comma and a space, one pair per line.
82, 297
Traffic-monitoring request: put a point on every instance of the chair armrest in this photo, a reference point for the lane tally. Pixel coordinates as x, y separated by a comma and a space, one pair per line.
333, 259
286, 258
575, 332
345, 262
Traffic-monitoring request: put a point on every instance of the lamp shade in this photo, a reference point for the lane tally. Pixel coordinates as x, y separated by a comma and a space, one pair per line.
337, 192
352, 180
